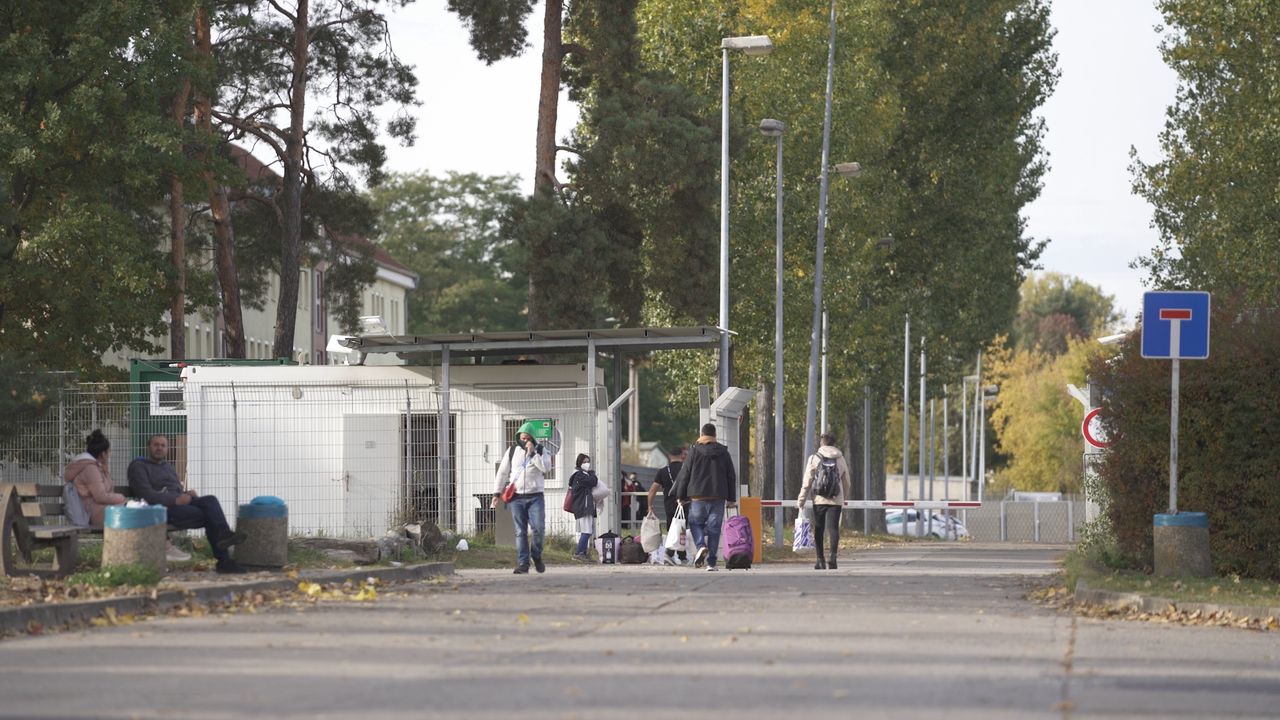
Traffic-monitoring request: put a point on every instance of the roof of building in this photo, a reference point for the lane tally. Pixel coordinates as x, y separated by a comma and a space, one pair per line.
521, 342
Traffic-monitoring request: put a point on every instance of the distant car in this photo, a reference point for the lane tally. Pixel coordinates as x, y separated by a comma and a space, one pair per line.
944, 527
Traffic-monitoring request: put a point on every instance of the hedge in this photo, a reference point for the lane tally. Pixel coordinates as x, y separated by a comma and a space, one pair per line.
1228, 442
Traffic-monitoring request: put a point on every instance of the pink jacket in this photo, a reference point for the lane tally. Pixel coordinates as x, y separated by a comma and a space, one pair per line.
93, 482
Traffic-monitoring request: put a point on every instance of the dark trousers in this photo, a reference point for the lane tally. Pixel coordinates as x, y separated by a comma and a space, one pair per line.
203, 512
826, 517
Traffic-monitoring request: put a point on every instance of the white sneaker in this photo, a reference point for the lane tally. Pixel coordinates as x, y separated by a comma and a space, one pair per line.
712, 568
173, 554
700, 558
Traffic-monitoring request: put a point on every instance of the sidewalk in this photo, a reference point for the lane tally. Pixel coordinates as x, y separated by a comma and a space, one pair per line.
207, 587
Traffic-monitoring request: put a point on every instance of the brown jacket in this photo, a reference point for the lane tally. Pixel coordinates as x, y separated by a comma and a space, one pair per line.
811, 472
93, 482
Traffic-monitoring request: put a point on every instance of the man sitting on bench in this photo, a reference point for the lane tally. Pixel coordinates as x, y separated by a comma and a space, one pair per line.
153, 479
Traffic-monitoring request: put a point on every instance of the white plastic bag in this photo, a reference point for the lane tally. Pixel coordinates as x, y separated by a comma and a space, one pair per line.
676, 533
650, 534
462, 545
803, 538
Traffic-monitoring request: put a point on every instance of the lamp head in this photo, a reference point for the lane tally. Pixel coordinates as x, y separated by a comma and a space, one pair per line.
754, 45
849, 169
772, 128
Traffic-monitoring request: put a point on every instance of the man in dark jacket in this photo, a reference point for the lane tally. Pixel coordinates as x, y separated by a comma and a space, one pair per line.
666, 481
708, 482
154, 480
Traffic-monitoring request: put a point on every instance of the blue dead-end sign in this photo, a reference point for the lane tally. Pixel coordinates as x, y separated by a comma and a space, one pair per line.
1175, 325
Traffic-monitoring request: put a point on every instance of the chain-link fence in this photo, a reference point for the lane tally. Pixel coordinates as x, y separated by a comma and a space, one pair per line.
1046, 521
349, 459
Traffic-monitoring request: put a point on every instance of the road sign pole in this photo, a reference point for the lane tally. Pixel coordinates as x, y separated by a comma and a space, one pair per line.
1173, 440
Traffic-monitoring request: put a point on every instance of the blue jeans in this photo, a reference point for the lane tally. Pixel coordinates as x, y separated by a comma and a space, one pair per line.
528, 514
705, 519
583, 539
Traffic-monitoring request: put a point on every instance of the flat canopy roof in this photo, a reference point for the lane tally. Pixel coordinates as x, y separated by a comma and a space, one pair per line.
536, 341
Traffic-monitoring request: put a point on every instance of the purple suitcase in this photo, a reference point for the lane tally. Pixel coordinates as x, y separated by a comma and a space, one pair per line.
739, 544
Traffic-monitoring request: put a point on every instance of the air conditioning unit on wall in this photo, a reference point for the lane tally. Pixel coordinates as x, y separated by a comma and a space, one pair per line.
167, 398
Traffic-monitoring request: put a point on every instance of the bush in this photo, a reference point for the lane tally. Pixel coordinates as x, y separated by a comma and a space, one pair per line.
1228, 442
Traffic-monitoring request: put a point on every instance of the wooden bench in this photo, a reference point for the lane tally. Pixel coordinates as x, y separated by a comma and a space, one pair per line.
33, 519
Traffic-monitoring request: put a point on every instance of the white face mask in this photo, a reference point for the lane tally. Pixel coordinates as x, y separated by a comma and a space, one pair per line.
586, 467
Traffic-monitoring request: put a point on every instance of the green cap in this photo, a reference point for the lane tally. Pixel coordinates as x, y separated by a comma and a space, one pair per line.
527, 429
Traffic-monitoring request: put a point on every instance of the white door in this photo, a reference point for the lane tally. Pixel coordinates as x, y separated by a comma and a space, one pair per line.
371, 470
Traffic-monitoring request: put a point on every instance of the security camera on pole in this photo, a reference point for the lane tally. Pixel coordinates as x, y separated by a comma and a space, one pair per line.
1175, 326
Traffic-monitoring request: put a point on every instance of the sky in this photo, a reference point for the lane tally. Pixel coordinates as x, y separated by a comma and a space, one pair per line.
1111, 96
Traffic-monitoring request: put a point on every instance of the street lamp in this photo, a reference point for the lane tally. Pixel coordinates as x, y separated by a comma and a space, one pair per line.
774, 129
809, 437
753, 45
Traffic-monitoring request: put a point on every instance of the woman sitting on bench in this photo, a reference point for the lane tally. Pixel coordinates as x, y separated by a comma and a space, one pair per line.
90, 474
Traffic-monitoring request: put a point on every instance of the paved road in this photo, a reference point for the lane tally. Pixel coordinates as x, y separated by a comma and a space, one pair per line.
925, 631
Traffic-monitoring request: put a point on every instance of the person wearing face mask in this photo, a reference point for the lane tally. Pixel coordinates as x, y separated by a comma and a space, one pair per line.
588, 494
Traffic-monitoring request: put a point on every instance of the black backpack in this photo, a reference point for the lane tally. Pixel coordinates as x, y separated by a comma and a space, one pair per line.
828, 481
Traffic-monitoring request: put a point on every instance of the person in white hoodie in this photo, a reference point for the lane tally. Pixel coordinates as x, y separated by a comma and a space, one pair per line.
826, 481
525, 465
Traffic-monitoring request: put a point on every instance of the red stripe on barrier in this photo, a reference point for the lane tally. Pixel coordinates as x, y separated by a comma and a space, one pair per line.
1175, 313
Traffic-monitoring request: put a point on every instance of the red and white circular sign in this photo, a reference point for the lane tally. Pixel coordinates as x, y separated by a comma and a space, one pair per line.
1092, 430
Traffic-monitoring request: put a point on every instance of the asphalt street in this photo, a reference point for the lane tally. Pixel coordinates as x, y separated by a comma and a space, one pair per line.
924, 631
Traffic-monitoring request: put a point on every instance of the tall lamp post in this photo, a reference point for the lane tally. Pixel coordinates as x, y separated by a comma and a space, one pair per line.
810, 400
775, 128
754, 45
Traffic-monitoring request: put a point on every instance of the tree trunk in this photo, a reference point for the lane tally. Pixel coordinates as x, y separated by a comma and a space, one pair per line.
291, 236
853, 456
548, 105
879, 420
762, 471
219, 206
178, 242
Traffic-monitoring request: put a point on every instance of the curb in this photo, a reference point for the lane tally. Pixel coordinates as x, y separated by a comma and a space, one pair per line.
18, 619
1085, 595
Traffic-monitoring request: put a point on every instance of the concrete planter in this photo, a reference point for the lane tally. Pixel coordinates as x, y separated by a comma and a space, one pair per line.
1182, 545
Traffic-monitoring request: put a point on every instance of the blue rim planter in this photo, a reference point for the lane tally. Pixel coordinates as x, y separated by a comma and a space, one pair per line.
134, 536
1181, 543
265, 523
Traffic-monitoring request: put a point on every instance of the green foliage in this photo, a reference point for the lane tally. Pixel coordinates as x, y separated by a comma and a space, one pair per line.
937, 100
1214, 192
83, 144
1228, 455
1055, 308
133, 574
449, 230
496, 26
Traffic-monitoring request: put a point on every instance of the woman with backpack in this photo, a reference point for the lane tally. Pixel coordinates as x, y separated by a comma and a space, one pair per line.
586, 494
826, 481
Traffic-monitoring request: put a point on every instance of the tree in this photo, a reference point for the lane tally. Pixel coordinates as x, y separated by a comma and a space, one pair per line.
84, 142
1214, 191
1036, 423
497, 31
1054, 307
271, 60
937, 99
471, 275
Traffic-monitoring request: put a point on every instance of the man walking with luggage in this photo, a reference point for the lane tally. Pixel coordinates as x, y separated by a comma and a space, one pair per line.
709, 483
